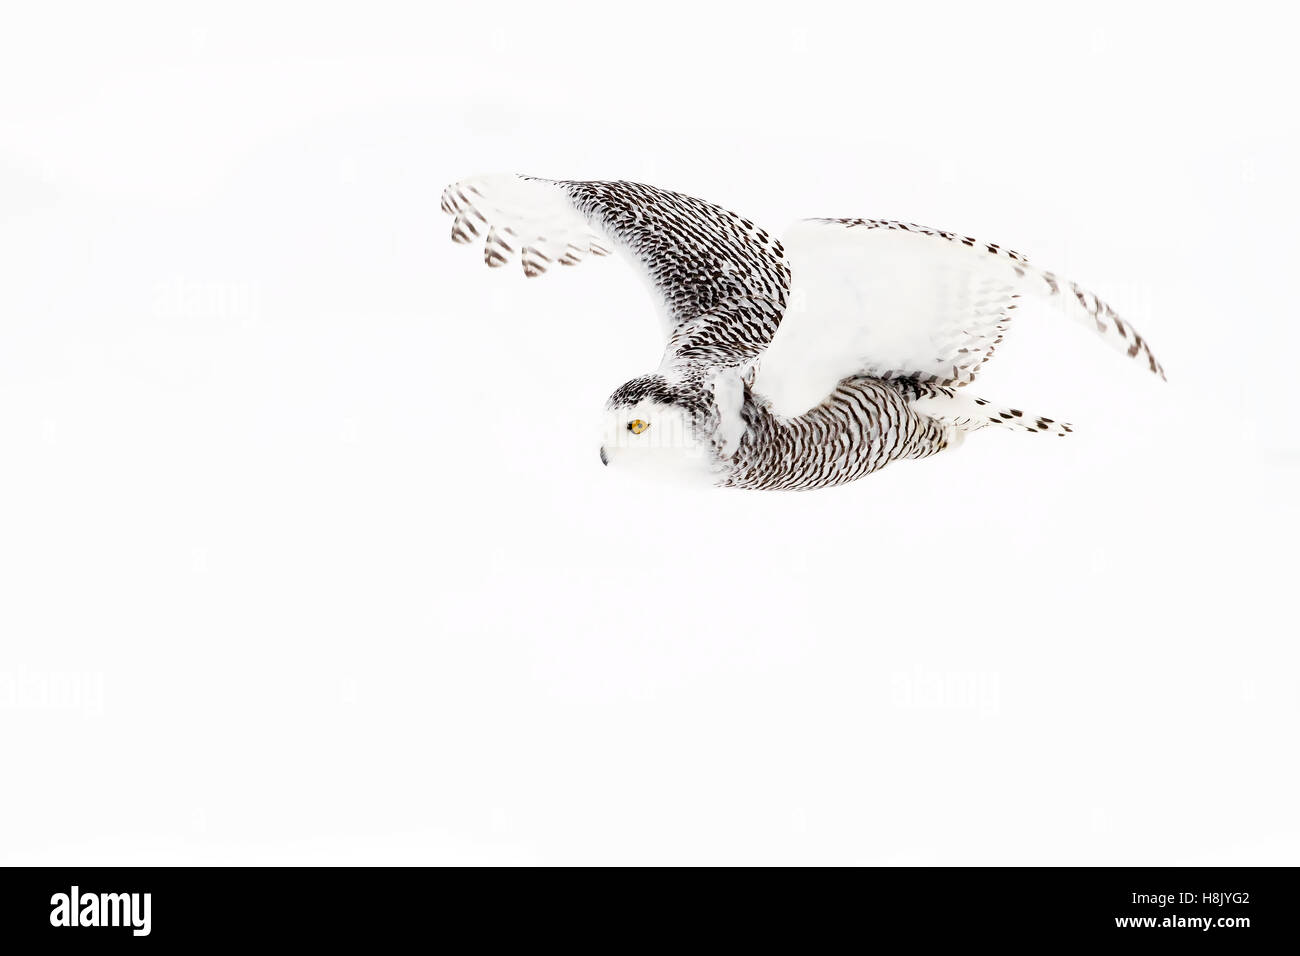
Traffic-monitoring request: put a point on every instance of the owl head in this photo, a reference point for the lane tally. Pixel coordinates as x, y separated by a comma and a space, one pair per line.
672, 425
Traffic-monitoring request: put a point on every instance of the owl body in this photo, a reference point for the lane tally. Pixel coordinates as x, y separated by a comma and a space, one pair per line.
863, 425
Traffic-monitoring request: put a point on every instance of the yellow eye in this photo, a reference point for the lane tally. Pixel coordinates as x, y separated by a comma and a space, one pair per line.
637, 427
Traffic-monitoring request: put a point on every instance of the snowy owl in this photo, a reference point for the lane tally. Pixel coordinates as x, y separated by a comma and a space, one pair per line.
798, 363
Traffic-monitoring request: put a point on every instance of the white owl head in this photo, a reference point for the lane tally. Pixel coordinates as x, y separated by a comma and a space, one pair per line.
671, 428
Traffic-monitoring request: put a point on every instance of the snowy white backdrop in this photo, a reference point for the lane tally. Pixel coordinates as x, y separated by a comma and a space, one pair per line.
306, 553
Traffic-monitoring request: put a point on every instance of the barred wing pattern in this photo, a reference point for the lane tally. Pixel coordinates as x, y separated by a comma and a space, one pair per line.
517, 218
721, 281
889, 299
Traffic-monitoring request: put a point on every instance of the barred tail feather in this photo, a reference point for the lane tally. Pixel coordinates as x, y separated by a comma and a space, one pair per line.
966, 413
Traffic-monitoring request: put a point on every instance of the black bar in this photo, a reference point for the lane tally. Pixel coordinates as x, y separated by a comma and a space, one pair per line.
1056, 906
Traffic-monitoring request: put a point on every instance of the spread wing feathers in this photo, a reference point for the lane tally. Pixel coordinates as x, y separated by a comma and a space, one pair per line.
892, 299
517, 218
720, 281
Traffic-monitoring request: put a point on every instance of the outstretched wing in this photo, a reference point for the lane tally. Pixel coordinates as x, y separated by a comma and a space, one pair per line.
721, 281
892, 299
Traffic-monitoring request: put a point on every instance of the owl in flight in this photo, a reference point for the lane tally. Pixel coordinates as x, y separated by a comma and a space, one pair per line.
790, 364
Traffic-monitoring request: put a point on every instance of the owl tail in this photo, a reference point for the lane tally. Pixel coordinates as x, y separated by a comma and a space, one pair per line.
966, 413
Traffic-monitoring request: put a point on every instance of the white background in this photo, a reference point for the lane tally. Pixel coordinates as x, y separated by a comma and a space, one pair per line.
306, 553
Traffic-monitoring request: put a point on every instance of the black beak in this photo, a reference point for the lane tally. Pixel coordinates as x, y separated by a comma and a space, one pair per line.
604, 459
